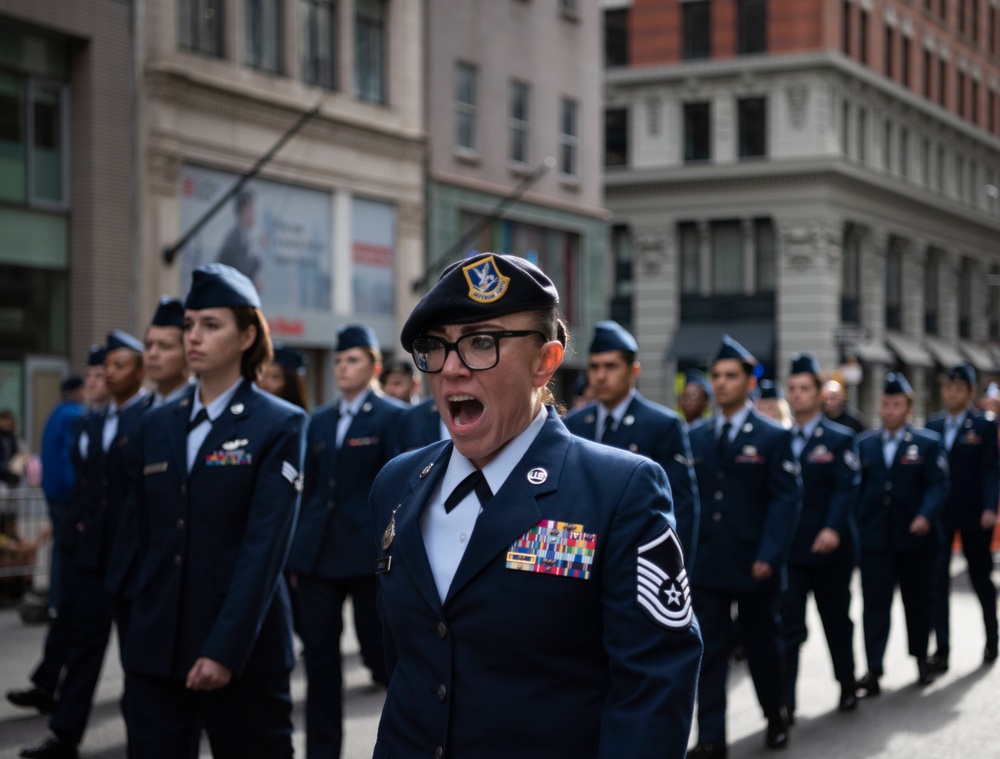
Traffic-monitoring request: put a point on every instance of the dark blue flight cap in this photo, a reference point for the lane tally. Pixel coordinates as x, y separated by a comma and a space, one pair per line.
356, 336
964, 372
695, 377
118, 339
290, 359
70, 384
611, 336
770, 389
478, 289
96, 355
170, 313
219, 286
804, 363
732, 349
896, 384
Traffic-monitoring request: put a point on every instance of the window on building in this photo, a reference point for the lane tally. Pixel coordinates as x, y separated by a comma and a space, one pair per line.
752, 114
850, 276
863, 20
697, 132
624, 286
974, 102
845, 27
696, 20
318, 42
974, 22
960, 93
927, 72
845, 125
904, 153
993, 302
765, 248
862, 141
887, 145
616, 137
960, 177
34, 128
942, 81
689, 243
727, 257
905, 69
960, 17
966, 273
370, 50
520, 123
991, 28
751, 26
569, 138
991, 111
940, 168
888, 48
931, 291
616, 37
264, 34
894, 284
466, 107
200, 27
925, 161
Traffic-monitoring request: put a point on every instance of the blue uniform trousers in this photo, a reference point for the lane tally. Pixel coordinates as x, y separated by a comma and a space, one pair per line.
58, 640
90, 628
760, 631
976, 547
250, 717
881, 572
830, 585
320, 629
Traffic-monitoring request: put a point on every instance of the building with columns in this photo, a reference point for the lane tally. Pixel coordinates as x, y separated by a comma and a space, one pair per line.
804, 173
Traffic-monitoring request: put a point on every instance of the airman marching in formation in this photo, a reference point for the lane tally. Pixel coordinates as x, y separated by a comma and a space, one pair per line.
590, 564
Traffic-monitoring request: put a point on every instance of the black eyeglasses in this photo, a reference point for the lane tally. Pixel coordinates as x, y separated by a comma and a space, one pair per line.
477, 350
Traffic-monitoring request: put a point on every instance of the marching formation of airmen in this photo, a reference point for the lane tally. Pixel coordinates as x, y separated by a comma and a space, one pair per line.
501, 561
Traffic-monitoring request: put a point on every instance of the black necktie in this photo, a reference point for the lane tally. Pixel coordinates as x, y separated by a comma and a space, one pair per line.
475, 481
201, 416
723, 440
609, 423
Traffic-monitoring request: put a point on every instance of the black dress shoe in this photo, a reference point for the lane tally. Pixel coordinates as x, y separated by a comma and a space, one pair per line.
708, 751
868, 686
938, 663
924, 674
990, 654
848, 698
777, 730
33, 698
51, 748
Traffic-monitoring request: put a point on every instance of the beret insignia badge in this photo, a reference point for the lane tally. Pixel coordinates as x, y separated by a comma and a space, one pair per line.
486, 283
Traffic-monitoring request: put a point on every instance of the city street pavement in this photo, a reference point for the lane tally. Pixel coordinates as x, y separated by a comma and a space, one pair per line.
956, 716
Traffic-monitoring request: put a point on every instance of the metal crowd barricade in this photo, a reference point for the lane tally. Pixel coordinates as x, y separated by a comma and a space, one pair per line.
25, 543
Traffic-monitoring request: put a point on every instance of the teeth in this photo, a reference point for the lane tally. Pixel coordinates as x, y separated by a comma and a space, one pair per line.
459, 398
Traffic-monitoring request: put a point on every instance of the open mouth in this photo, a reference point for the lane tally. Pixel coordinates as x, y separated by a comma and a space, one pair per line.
464, 410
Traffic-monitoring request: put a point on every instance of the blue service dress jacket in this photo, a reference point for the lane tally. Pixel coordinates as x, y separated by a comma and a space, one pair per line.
974, 466
537, 652
419, 425
831, 474
213, 541
100, 497
917, 483
656, 432
334, 537
121, 572
751, 501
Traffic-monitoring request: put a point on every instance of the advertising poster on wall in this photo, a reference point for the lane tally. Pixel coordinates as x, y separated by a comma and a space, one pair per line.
279, 235
373, 232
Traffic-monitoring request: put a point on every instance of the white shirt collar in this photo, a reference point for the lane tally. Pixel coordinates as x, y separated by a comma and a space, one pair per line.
616, 413
114, 408
736, 420
159, 399
809, 428
352, 407
216, 407
497, 471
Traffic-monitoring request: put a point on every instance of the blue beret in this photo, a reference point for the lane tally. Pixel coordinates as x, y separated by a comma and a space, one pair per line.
290, 359
96, 355
118, 339
695, 377
478, 289
804, 363
770, 389
356, 336
896, 384
612, 336
732, 349
964, 372
170, 313
218, 286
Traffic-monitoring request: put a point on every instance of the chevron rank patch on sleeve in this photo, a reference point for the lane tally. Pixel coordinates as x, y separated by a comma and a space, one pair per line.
661, 588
